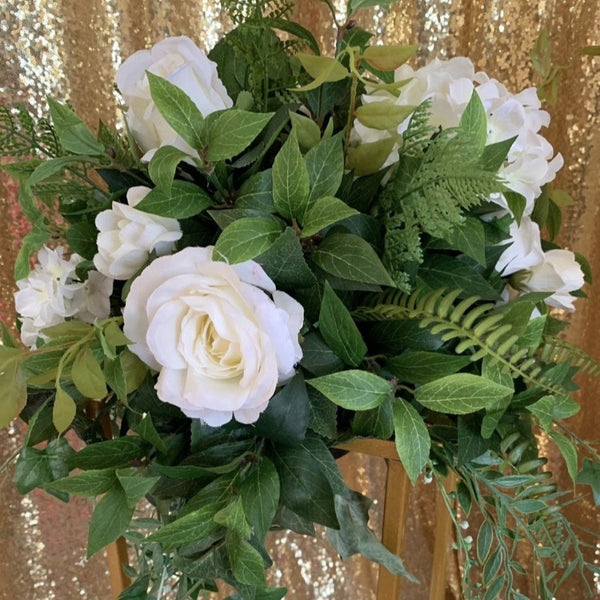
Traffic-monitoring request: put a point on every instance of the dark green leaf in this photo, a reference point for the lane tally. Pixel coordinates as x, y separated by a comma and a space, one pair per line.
317, 356
377, 422
185, 200
257, 192
473, 122
87, 483
323, 415
82, 239
469, 238
422, 367
590, 474
147, 431
112, 453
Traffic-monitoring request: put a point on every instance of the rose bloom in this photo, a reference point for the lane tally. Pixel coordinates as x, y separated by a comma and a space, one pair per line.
182, 63
221, 336
127, 236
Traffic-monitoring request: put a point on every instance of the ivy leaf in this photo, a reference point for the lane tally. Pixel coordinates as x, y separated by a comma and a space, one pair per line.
178, 110
339, 329
348, 256
247, 238
233, 518
290, 180
135, 485
110, 519
232, 131
460, 394
87, 483
354, 389
412, 438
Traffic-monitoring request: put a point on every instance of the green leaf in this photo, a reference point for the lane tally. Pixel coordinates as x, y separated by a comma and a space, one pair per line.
246, 563
568, 451
355, 537
285, 264
590, 474
290, 180
322, 69
471, 443
32, 242
73, 133
64, 410
286, 418
323, 415
82, 239
377, 422
484, 541
147, 431
325, 165
339, 330
178, 110
473, 122
548, 408
193, 527
412, 438
494, 155
325, 212
317, 356
354, 390
114, 373
257, 192
422, 367
12, 383
185, 200
307, 131
439, 271
232, 131
260, 496
110, 520
383, 116
460, 394
86, 483
388, 57
88, 376
112, 453
135, 485
233, 518
368, 158
305, 488
348, 256
468, 237
163, 164
247, 238
37, 467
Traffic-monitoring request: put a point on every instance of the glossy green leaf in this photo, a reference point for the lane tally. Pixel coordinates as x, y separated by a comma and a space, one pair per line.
325, 212
163, 165
325, 165
247, 238
185, 200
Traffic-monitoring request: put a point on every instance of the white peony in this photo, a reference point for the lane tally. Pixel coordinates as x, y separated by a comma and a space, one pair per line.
182, 63
52, 293
559, 273
221, 336
127, 236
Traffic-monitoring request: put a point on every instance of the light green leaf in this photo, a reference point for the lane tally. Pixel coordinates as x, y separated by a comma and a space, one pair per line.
246, 563
325, 164
32, 242
12, 384
232, 131
473, 122
63, 411
233, 518
422, 367
110, 520
568, 451
260, 495
548, 408
323, 213
73, 133
460, 394
348, 256
87, 483
384, 116
247, 238
412, 438
322, 69
307, 131
185, 200
178, 110
115, 378
135, 485
290, 180
354, 390
163, 164
339, 330
87, 375
388, 57
55, 165
368, 158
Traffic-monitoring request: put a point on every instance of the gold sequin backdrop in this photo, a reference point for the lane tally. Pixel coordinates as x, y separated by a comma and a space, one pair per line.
70, 48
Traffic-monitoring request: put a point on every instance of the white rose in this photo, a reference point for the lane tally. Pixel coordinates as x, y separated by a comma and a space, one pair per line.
127, 236
221, 336
525, 249
559, 273
52, 293
182, 63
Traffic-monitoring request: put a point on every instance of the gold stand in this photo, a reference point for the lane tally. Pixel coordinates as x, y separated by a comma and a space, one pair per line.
397, 488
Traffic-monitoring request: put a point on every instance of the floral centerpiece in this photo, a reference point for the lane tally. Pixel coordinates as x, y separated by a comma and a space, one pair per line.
282, 251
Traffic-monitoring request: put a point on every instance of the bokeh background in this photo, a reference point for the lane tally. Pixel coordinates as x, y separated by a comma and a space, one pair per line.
70, 49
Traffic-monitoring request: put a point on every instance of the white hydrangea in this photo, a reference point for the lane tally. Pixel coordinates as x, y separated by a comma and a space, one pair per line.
52, 293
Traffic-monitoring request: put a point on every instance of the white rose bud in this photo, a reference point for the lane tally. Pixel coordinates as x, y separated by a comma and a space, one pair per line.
127, 236
221, 336
560, 273
182, 63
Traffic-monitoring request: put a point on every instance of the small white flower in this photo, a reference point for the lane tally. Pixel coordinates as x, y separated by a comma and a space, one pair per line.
127, 236
525, 249
221, 336
52, 293
559, 273
182, 63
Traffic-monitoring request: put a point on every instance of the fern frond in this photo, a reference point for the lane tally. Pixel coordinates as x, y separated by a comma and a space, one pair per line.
474, 328
21, 136
559, 350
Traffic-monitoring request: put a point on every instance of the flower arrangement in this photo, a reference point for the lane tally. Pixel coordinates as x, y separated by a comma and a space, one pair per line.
283, 251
